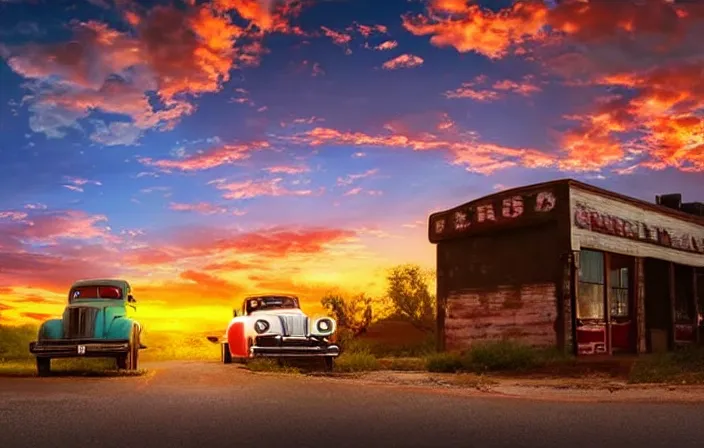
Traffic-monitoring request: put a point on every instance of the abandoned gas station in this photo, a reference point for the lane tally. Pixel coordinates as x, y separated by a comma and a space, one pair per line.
570, 265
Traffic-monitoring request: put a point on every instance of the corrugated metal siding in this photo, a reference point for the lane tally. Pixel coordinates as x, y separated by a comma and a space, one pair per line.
526, 313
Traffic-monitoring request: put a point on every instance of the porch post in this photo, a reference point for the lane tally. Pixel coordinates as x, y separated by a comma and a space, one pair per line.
607, 302
671, 285
639, 308
574, 278
695, 297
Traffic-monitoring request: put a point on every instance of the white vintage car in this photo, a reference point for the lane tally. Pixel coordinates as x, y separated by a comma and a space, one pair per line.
274, 326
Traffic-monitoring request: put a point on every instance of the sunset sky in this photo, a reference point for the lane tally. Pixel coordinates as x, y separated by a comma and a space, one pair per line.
204, 150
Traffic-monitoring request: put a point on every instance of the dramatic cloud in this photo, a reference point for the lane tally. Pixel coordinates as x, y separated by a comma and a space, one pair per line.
403, 61
222, 155
249, 189
464, 149
468, 27
176, 52
474, 91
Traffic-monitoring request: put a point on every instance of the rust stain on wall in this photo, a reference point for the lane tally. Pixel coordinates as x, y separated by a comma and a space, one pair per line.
526, 313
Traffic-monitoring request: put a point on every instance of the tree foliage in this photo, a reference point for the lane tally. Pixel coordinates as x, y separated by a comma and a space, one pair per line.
353, 314
409, 296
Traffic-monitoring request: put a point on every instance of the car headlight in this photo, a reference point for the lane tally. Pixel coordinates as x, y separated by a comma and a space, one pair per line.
324, 325
261, 326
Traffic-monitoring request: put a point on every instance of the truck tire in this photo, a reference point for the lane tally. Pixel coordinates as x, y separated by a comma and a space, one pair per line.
43, 366
225, 355
329, 363
130, 360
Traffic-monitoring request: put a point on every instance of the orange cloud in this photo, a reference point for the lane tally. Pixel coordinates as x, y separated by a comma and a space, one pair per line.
468, 27
253, 188
178, 52
41, 317
337, 37
403, 61
386, 45
287, 169
475, 156
222, 155
471, 90
350, 178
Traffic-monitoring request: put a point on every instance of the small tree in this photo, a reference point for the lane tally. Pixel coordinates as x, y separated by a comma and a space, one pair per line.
409, 296
353, 314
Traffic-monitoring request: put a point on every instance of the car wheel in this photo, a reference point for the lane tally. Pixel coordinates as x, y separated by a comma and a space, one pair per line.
329, 363
129, 360
225, 355
43, 366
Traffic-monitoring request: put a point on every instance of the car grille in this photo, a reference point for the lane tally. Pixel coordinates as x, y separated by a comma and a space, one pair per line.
79, 322
294, 325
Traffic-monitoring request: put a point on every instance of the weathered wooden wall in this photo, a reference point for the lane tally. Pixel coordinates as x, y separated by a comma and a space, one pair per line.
503, 285
616, 226
523, 312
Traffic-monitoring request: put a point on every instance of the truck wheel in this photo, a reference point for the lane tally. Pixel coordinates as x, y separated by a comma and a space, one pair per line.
129, 360
329, 363
43, 366
225, 355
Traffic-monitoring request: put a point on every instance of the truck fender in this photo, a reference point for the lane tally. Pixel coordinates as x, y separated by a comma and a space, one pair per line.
51, 329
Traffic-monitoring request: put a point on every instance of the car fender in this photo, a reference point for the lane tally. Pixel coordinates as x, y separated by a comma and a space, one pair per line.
237, 337
51, 329
121, 328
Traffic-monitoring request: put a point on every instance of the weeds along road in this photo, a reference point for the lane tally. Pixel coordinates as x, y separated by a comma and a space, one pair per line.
206, 404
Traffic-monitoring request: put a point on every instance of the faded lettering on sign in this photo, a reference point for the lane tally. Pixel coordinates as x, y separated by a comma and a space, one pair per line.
588, 218
511, 207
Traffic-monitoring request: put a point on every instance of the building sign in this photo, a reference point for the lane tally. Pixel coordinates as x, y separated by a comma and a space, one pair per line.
588, 218
491, 211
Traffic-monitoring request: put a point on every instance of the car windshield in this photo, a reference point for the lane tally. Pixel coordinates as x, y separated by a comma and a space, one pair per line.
96, 292
267, 303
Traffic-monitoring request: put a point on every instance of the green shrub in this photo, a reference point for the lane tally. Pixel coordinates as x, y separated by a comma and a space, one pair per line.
504, 355
403, 364
359, 361
270, 365
14, 341
386, 350
444, 362
681, 366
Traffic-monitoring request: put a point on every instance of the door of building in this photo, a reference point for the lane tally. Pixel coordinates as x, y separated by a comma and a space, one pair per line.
622, 323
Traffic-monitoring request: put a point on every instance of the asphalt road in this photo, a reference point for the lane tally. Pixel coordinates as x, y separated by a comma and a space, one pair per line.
204, 405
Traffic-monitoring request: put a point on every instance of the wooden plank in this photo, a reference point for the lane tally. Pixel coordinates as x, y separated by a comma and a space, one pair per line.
671, 289
607, 302
640, 307
695, 297
525, 313
633, 230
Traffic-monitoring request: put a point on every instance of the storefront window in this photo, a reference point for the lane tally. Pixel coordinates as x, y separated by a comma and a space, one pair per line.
590, 303
618, 282
684, 294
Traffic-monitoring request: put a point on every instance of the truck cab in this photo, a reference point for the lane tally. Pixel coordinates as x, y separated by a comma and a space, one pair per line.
98, 321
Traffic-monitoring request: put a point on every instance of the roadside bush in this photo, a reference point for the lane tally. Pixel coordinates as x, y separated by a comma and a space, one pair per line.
684, 366
14, 341
504, 355
359, 361
444, 362
385, 350
403, 364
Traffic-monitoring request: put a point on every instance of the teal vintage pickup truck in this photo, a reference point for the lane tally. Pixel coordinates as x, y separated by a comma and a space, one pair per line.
98, 322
